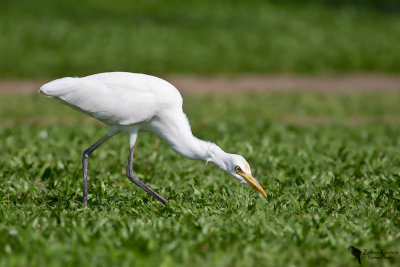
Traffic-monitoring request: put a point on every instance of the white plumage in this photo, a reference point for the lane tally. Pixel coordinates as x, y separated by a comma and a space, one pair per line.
116, 98
131, 103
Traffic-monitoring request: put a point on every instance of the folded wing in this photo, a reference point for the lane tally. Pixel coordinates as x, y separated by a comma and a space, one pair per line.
108, 102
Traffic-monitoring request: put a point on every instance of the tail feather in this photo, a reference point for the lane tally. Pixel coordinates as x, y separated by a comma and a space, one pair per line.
58, 87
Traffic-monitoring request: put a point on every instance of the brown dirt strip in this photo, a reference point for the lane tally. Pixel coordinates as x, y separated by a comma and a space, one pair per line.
252, 83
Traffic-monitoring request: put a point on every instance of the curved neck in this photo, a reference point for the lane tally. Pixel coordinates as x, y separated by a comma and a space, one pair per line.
178, 135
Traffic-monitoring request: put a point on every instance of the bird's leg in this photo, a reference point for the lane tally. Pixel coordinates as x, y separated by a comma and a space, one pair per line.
131, 175
85, 160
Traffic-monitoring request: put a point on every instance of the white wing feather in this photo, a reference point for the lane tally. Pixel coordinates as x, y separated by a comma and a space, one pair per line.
115, 98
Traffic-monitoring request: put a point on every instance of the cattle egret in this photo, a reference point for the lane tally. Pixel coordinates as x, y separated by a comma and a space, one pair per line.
131, 103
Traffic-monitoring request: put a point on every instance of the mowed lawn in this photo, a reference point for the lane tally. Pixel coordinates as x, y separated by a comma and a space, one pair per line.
329, 164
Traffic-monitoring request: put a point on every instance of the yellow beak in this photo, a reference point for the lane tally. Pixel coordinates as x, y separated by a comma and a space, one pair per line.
253, 182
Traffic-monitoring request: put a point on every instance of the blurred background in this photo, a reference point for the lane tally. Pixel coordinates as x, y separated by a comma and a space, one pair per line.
329, 161
47, 39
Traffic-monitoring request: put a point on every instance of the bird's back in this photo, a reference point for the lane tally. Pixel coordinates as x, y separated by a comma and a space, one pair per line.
116, 98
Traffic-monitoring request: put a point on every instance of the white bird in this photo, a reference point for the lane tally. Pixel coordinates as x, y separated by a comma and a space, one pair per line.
133, 103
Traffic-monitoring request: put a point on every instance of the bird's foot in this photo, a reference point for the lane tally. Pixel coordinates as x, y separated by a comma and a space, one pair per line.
133, 178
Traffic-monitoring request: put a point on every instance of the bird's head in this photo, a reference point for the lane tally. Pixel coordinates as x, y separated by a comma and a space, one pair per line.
238, 167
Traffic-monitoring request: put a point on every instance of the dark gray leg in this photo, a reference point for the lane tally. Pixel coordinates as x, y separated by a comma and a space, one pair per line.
85, 160
135, 180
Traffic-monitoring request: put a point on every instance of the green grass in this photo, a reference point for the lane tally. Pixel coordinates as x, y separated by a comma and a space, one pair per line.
60, 38
329, 164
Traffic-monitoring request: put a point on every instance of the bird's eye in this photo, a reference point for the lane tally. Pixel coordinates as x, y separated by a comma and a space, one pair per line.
237, 169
